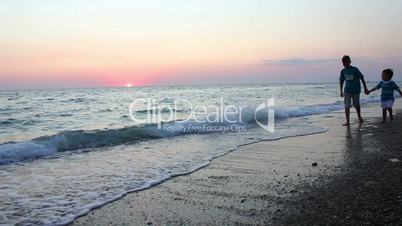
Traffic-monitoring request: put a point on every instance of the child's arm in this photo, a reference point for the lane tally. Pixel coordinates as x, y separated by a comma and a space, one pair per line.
372, 90
396, 87
375, 88
400, 92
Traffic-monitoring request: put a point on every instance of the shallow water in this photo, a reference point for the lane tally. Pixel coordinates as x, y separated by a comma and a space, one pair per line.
64, 152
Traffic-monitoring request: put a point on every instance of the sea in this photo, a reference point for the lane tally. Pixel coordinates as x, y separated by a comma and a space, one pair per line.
64, 152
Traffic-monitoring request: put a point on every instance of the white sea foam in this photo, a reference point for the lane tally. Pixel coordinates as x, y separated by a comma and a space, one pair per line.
58, 191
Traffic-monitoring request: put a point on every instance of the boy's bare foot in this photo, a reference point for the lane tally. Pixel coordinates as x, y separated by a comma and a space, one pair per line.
346, 124
361, 120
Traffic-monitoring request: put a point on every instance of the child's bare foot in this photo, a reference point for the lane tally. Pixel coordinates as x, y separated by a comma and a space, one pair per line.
346, 124
361, 120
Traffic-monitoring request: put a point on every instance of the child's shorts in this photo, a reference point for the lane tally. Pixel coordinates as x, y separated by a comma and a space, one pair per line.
387, 103
349, 97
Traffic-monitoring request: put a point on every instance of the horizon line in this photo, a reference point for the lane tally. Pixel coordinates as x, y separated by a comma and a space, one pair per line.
168, 85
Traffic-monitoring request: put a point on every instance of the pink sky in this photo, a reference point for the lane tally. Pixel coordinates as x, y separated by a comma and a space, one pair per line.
112, 43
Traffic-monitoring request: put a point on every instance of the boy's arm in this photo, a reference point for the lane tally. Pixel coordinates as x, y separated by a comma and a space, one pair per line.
361, 76
341, 86
341, 81
366, 90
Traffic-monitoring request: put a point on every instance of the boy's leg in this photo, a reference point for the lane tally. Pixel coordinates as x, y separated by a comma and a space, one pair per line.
356, 103
359, 113
390, 114
348, 105
384, 114
347, 115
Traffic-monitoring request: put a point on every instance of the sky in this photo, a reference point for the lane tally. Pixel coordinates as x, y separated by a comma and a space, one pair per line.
92, 43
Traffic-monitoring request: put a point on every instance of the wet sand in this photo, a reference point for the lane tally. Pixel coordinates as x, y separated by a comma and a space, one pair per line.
343, 176
368, 191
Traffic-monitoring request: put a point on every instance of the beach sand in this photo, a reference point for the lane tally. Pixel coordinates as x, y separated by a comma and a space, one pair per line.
342, 176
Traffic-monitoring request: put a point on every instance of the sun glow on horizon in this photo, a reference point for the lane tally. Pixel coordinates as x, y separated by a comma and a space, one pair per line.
124, 43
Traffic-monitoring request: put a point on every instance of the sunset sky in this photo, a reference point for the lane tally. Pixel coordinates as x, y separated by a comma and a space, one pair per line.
90, 43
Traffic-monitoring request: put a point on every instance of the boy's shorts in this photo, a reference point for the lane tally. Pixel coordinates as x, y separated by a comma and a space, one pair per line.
349, 97
387, 103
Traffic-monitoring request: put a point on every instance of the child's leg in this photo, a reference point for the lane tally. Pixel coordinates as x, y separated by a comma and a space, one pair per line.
384, 114
390, 114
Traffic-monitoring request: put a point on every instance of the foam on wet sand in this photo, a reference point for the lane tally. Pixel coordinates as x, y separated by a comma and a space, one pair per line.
275, 182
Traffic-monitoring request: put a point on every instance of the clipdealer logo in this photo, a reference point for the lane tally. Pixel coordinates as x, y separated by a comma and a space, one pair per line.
210, 118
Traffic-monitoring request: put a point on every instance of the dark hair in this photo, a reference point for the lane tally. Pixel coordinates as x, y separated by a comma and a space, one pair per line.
389, 72
346, 59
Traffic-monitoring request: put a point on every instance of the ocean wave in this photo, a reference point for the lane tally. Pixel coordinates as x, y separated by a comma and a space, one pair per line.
83, 139
74, 140
10, 121
14, 152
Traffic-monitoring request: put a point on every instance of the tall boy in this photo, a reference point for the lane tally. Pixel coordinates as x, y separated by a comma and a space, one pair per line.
351, 77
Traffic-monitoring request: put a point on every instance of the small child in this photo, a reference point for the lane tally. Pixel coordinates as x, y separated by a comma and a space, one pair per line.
387, 87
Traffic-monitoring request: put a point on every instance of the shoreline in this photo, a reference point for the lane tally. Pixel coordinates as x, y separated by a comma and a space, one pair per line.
153, 184
251, 185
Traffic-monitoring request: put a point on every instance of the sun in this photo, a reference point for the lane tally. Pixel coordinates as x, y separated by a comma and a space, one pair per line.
129, 85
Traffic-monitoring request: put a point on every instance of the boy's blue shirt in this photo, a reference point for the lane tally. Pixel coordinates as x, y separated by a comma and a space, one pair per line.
387, 89
352, 76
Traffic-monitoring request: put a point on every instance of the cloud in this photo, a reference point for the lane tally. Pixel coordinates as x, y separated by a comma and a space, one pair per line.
298, 61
